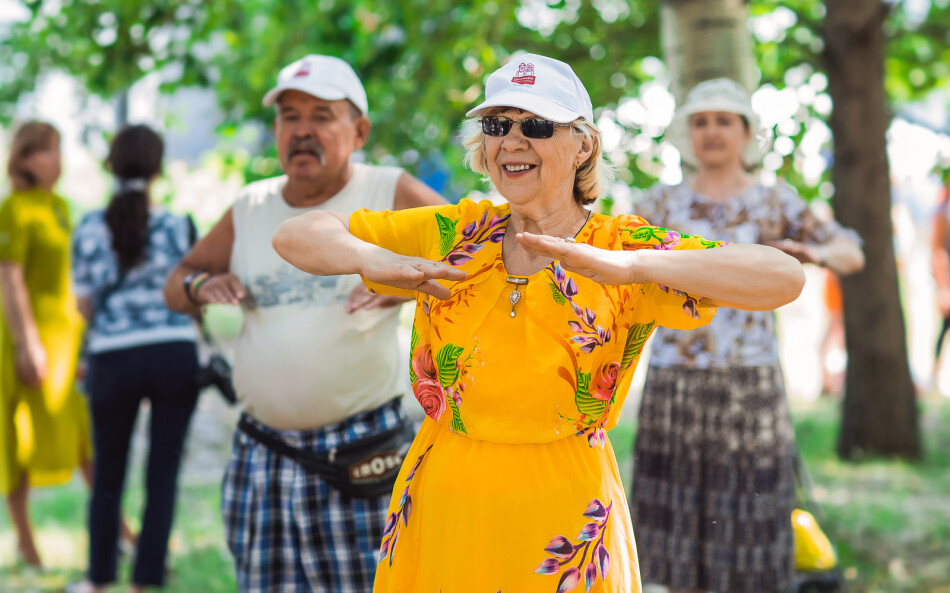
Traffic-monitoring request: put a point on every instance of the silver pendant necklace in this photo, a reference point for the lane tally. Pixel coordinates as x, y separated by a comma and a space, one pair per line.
515, 295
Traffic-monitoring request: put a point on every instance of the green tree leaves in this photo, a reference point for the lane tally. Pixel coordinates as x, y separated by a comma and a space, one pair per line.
423, 62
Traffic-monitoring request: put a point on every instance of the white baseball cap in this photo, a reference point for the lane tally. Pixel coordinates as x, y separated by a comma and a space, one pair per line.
544, 86
324, 77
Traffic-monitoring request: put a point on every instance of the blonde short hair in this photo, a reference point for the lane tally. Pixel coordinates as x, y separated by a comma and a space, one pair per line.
592, 179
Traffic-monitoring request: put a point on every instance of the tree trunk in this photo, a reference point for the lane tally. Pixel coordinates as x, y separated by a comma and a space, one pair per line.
879, 415
704, 39
121, 108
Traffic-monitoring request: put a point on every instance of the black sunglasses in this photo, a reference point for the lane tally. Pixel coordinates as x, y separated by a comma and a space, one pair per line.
535, 127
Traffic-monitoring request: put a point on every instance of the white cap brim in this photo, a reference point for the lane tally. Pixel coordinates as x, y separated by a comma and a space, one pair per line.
539, 106
327, 93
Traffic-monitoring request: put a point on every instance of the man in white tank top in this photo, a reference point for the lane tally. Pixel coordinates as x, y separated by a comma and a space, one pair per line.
316, 365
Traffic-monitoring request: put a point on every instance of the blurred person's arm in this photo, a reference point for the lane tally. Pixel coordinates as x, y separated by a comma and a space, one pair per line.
412, 193
841, 255
30, 354
940, 260
210, 255
84, 304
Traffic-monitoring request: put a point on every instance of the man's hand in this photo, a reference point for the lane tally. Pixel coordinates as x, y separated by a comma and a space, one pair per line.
410, 273
362, 298
221, 288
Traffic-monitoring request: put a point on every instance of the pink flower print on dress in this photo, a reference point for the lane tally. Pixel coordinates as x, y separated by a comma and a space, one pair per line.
606, 382
423, 365
431, 397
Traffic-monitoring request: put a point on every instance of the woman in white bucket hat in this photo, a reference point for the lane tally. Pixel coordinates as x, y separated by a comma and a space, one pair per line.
713, 485
530, 318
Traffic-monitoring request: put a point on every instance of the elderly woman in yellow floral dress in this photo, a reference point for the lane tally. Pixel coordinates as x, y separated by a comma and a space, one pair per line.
531, 317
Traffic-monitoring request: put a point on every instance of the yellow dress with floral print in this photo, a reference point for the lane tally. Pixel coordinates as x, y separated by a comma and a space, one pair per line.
511, 484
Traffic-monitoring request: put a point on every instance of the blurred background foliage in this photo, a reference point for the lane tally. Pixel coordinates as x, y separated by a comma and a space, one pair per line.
424, 62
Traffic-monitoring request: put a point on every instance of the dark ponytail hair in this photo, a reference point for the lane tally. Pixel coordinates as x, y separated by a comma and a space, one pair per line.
135, 157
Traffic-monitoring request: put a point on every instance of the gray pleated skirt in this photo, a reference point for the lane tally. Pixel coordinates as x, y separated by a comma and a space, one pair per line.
713, 482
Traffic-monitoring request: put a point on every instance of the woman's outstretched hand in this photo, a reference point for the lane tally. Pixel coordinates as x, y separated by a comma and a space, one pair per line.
410, 273
603, 266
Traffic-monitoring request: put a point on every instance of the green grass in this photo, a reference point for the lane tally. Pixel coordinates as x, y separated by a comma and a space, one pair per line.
199, 559
890, 521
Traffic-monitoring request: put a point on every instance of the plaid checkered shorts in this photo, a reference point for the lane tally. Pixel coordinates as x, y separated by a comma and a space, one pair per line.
288, 530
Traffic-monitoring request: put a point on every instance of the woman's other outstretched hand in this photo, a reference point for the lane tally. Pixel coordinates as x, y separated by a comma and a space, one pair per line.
410, 273
600, 265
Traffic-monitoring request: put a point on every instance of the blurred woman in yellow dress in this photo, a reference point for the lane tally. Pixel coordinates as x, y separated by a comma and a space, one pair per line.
530, 319
44, 428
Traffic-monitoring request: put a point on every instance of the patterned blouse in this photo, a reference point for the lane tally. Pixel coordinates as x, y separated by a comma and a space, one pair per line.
130, 310
758, 215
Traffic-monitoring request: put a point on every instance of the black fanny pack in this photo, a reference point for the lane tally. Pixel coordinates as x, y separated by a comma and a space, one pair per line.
366, 468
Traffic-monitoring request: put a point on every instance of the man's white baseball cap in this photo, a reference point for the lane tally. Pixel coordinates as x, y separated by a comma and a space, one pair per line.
324, 77
544, 86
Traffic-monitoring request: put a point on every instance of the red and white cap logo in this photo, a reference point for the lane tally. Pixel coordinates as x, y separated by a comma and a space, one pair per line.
303, 71
525, 74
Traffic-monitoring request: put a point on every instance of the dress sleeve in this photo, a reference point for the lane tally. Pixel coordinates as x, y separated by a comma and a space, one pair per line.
801, 224
16, 234
415, 232
670, 307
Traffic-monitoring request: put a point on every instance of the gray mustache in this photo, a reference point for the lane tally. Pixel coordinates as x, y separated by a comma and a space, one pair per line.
309, 145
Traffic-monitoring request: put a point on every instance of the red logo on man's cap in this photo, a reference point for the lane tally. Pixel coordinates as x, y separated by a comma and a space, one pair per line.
525, 74
304, 70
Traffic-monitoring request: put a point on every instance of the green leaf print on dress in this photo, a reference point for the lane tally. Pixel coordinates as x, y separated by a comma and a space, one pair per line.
586, 404
637, 336
593, 398
447, 361
658, 237
413, 342
437, 383
446, 233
